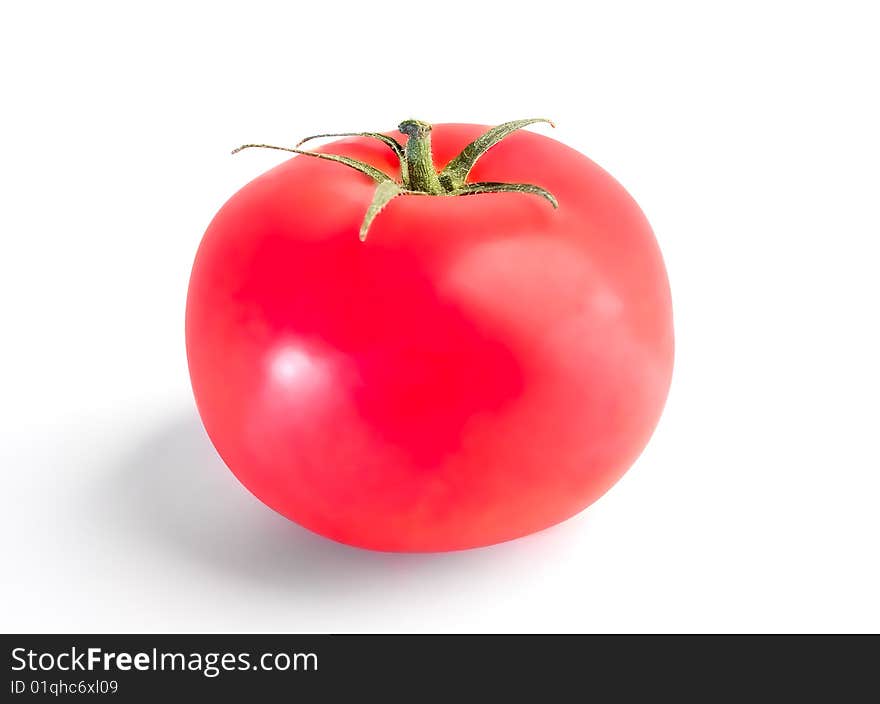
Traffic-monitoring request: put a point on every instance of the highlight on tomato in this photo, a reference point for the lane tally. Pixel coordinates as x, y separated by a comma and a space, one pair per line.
432, 339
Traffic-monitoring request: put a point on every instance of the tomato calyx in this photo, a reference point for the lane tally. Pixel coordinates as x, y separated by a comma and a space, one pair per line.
418, 176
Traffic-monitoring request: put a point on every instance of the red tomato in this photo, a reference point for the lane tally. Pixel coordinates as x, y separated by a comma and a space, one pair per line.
478, 369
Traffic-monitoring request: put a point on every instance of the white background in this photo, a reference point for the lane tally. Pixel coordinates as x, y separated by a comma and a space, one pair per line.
747, 132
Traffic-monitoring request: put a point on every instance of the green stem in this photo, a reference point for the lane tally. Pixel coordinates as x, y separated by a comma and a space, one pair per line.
418, 175
419, 160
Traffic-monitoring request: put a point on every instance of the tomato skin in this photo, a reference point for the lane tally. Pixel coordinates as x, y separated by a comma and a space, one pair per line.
480, 368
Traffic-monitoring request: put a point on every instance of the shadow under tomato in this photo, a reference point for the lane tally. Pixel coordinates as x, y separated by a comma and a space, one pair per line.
173, 495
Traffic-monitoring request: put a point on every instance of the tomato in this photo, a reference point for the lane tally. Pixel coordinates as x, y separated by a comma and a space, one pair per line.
479, 368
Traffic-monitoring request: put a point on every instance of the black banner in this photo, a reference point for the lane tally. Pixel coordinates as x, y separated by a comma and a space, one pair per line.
413, 668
